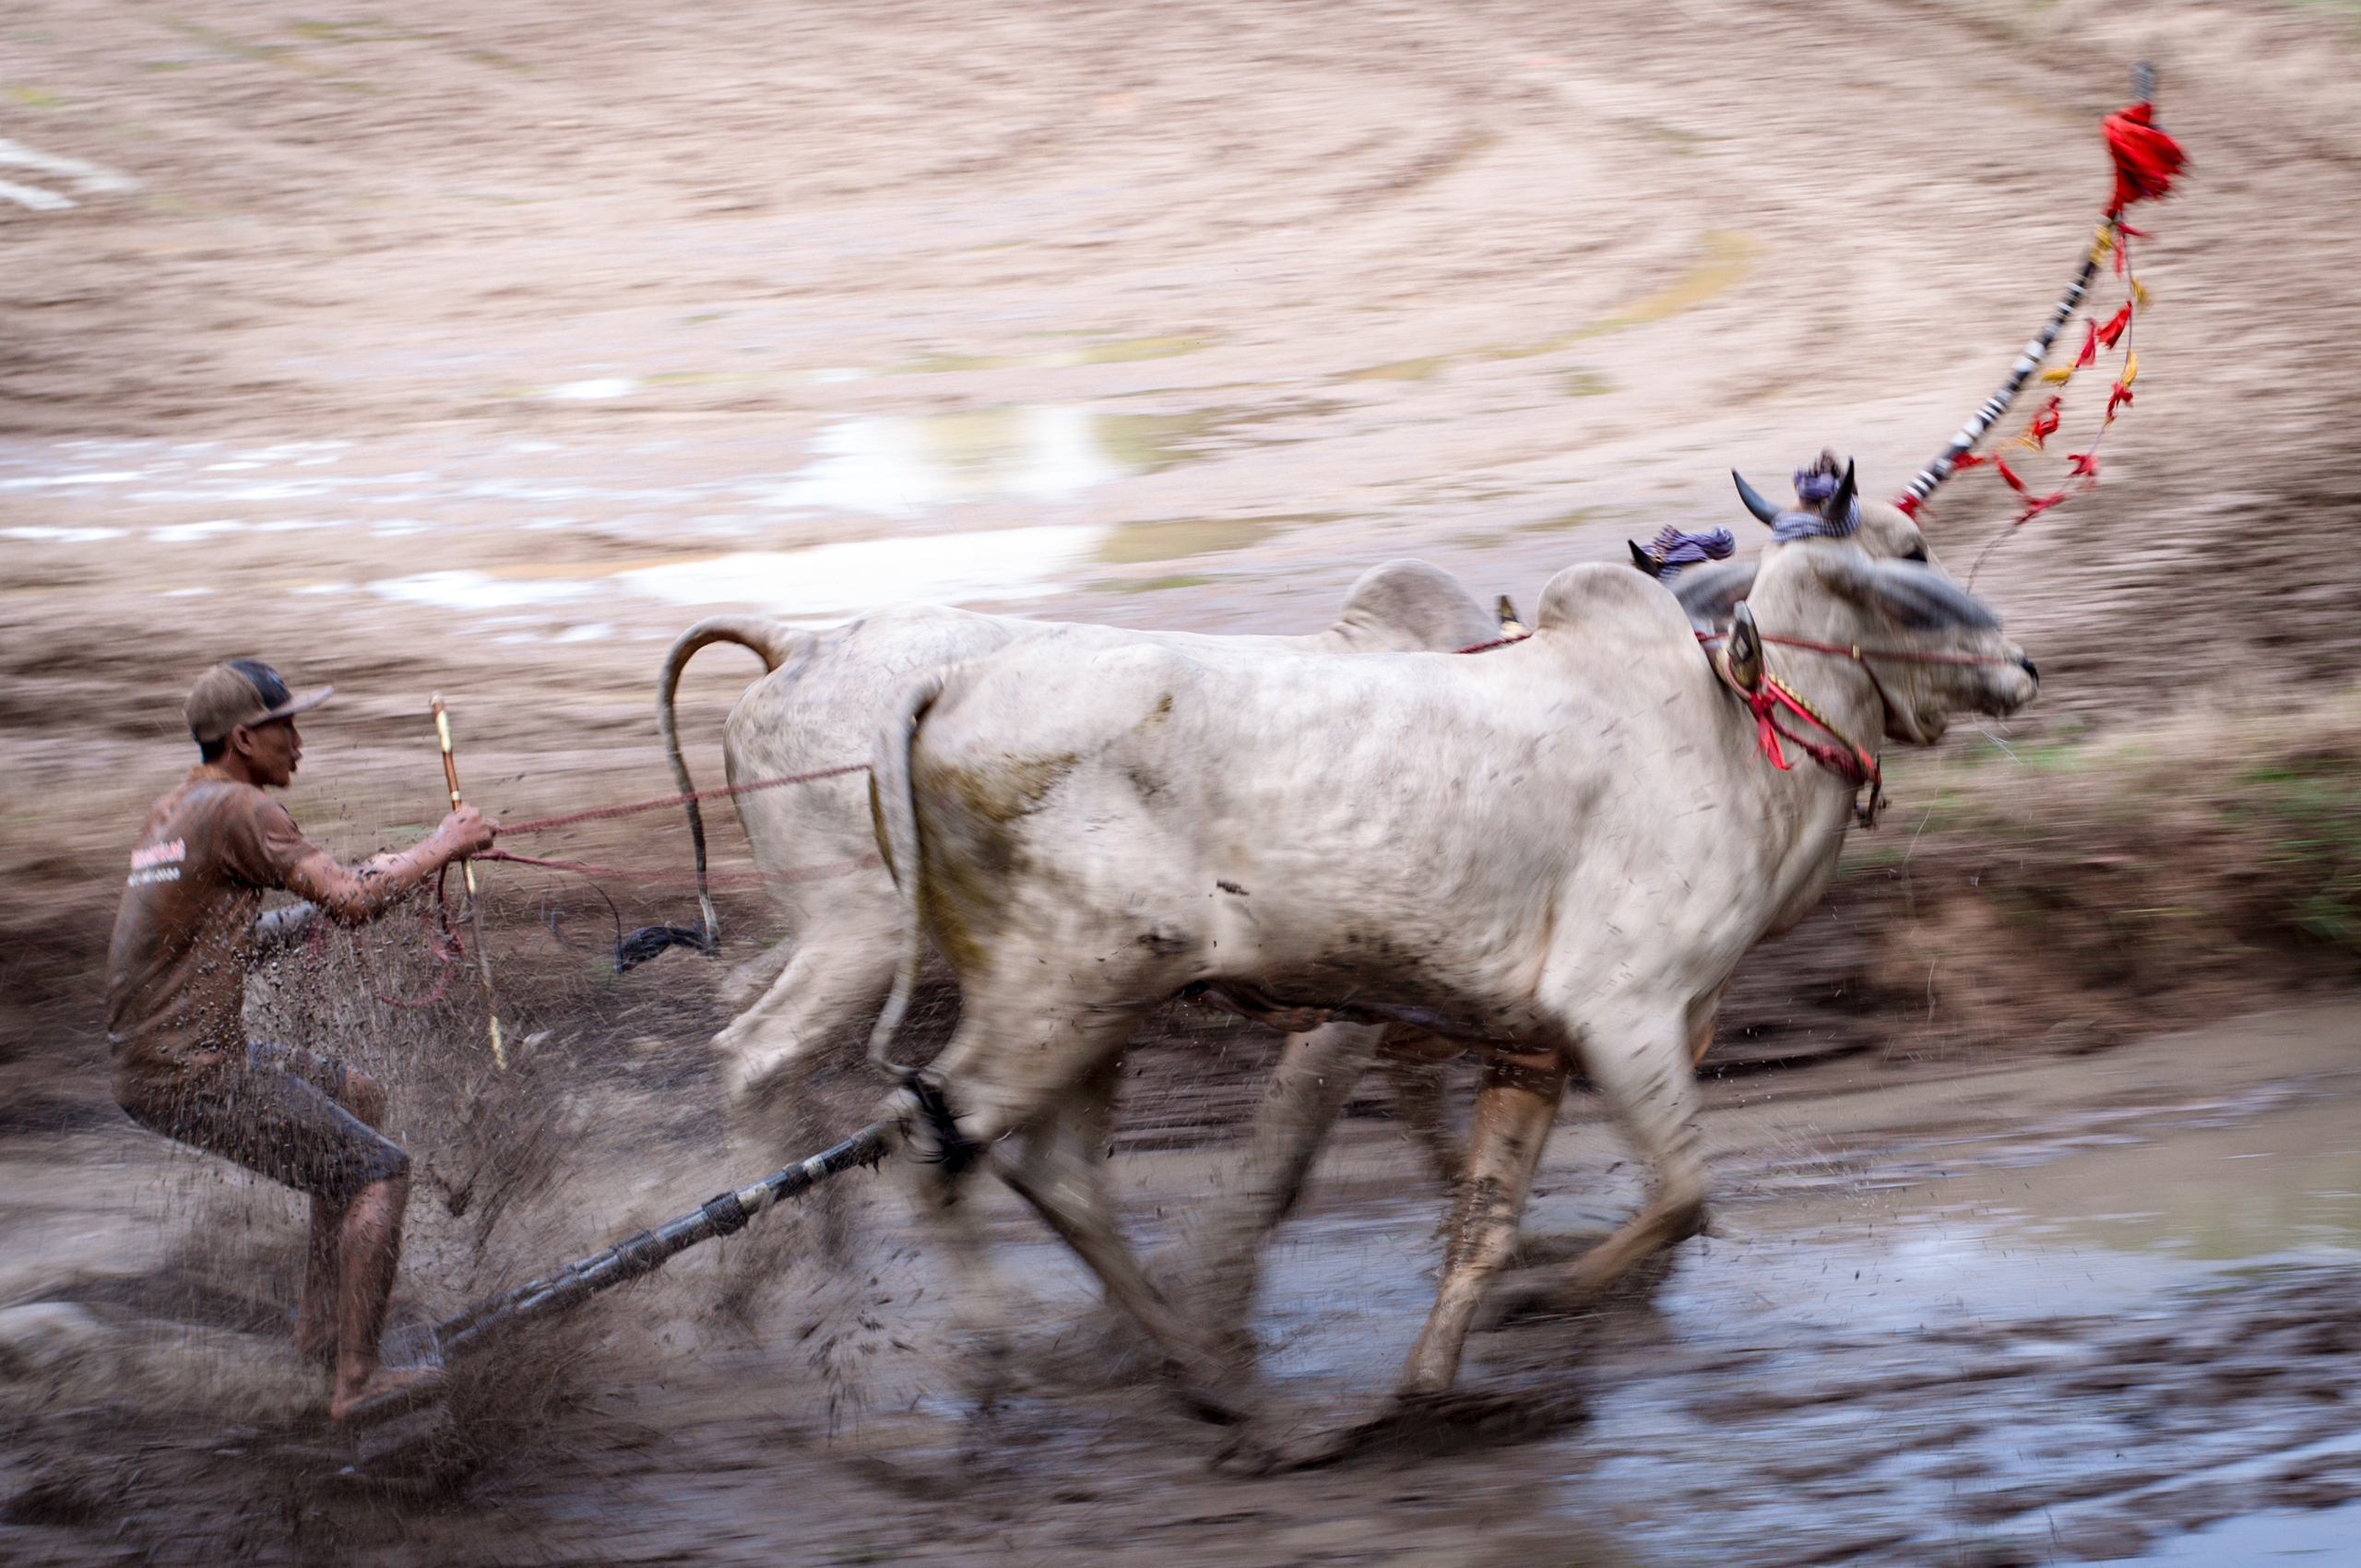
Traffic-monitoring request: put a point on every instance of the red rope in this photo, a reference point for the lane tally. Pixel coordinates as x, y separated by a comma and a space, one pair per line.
1854, 651
1496, 642
543, 824
799, 874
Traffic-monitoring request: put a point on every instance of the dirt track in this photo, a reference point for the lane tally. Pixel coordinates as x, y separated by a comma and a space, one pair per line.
482, 350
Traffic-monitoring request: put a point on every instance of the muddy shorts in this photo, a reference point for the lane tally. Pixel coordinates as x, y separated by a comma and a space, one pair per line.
278, 1113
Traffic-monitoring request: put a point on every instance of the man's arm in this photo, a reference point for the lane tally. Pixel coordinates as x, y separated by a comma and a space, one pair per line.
349, 896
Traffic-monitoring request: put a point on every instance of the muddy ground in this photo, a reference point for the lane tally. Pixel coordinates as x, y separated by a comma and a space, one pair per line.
481, 349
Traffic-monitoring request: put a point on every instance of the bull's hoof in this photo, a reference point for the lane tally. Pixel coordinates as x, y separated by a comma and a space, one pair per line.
1424, 1426
1215, 1386
1570, 1290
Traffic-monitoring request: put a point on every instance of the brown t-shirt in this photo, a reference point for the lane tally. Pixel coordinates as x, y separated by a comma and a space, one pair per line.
176, 969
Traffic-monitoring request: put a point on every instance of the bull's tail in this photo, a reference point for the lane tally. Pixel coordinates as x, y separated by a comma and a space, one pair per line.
768, 639
897, 816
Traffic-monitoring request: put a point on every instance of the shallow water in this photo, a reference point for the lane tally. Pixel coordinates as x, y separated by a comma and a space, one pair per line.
2092, 1324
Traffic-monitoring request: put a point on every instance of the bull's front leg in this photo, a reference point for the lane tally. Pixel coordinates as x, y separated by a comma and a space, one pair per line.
1641, 1060
1414, 1062
1316, 1074
1513, 1114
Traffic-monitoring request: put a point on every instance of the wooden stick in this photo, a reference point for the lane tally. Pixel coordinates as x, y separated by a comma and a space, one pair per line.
475, 911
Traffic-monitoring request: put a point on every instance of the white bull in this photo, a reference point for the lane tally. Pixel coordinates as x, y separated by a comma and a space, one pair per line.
1565, 845
825, 694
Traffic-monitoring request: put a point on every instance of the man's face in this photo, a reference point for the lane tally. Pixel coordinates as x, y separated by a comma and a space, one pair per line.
271, 751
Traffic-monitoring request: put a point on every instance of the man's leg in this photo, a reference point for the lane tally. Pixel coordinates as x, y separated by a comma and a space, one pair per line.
315, 1319
316, 1316
305, 1121
369, 1249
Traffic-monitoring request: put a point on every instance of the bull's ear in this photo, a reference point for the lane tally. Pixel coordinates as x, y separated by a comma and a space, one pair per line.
1640, 558
1707, 592
1907, 593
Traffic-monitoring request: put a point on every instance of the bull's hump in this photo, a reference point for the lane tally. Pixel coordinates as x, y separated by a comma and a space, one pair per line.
1598, 596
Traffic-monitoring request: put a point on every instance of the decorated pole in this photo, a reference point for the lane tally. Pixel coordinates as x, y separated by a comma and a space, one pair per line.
475, 911
2146, 160
1984, 418
637, 1257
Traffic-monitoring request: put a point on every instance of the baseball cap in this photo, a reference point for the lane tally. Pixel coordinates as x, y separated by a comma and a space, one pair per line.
242, 690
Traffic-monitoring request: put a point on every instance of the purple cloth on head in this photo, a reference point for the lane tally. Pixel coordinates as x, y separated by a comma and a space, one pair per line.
1815, 486
1671, 550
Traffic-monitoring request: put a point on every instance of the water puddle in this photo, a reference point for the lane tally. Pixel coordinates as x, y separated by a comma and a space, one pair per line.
90, 179
2074, 1335
1127, 350
845, 578
954, 568
1723, 261
1175, 539
2276, 1539
1124, 351
899, 466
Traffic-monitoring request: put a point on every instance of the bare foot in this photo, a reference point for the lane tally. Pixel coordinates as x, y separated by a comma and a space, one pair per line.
388, 1392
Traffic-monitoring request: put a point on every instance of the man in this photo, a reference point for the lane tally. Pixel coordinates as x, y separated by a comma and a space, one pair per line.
187, 930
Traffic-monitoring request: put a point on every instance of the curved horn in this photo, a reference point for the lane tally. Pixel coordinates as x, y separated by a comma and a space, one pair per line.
1839, 509
1764, 513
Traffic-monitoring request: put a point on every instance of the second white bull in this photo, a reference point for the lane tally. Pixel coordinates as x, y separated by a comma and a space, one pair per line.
1565, 845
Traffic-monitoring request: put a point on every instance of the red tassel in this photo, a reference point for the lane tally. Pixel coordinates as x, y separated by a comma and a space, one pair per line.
2089, 345
2037, 507
1967, 460
2119, 397
2146, 160
2044, 424
2083, 465
2008, 474
2112, 333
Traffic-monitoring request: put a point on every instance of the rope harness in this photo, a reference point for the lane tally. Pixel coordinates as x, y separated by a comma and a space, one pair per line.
1850, 761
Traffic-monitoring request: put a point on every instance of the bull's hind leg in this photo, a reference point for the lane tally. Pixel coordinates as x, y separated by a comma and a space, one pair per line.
1513, 1112
1060, 1170
1641, 1060
1007, 1066
831, 987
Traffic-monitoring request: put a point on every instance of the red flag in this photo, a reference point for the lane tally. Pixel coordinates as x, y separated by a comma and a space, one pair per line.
2082, 464
2042, 425
2112, 333
2118, 395
2089, 345
2146, 160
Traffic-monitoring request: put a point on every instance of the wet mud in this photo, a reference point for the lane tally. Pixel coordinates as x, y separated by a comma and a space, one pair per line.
2043, 1312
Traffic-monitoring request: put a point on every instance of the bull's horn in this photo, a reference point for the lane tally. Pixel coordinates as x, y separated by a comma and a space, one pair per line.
1839, 509
1640, 558
1764, 513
